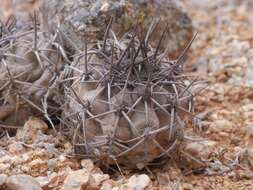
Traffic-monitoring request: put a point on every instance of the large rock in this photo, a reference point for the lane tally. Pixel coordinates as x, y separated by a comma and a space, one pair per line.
78, 19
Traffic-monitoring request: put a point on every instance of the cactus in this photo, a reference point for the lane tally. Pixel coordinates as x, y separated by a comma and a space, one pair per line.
127, 102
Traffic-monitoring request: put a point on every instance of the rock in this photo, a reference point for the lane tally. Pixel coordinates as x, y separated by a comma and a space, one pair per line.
83, 179
201, 148
96, 180
246, 158
9, 8
37, 166
186, 186
235, 140
222, 125
90, 18
4, 167
249, 138
195, 152
242, 174
29, 132
83, 18
90, 177
108, 185
43, 181
76, 180
180, 30
87, 164
203, 4
137, 182
3, 179
16, 148
163, 179
67, 147
54, 180
247, 108
215, 167
22, 182
246, 154
52, 163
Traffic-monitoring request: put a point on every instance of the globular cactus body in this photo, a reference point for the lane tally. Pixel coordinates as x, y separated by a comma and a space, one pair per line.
127, 103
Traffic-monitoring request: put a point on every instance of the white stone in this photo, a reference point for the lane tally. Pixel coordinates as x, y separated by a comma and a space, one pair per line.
221, 125
96, 180
137, 182
3, 179
76, 180
22, 182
